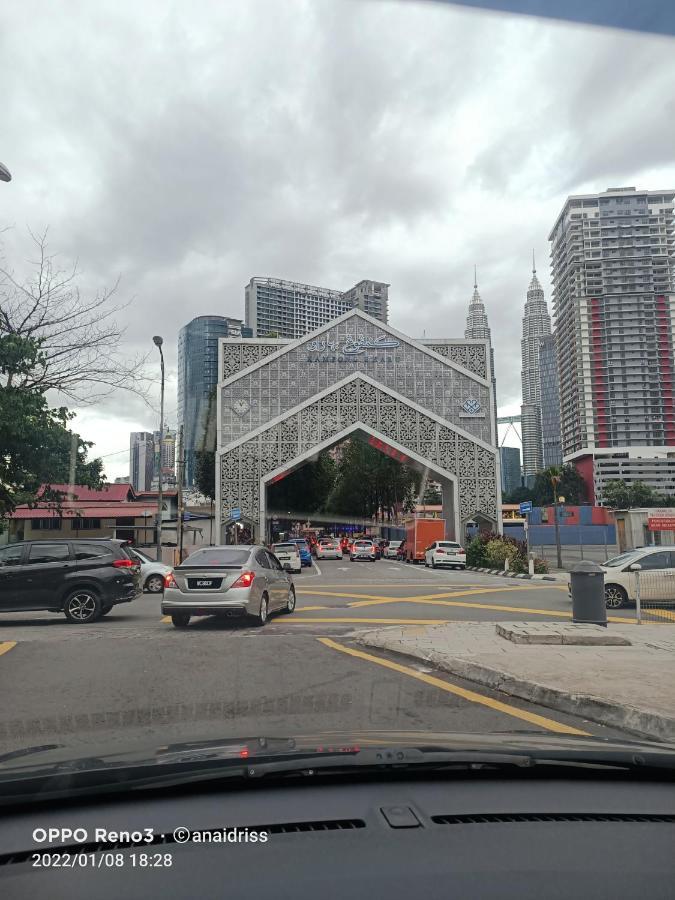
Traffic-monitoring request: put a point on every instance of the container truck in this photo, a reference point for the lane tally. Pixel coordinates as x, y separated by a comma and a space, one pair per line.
420, 533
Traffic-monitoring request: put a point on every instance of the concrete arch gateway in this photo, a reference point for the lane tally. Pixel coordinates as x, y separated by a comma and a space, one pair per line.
428, 401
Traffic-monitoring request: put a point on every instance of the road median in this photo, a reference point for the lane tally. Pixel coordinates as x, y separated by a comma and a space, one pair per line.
627, 684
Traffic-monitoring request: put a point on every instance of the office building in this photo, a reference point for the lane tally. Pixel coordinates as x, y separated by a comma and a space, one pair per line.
141, 460
478, 329
197, 379
509, 460
549, 402
654, 467
536, 324
614, 300
289, 309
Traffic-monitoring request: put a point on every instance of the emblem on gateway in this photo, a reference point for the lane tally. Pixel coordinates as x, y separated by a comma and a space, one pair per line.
471, 406
240, 407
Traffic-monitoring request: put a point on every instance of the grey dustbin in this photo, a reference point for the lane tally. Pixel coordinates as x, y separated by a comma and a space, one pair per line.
587, 581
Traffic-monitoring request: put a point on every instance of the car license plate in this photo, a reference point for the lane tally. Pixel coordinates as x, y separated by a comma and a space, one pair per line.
198, 583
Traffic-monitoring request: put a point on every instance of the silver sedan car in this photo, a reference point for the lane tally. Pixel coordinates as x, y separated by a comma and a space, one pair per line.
228, 581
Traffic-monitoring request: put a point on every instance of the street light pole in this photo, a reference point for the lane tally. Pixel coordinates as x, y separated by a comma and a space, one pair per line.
5, 174
555, 481
158, 341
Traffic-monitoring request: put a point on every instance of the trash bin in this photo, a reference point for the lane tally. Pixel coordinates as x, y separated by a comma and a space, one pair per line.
587, 582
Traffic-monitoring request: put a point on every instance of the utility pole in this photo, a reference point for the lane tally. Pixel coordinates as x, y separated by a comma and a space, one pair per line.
158, 341
181, 470
555, 481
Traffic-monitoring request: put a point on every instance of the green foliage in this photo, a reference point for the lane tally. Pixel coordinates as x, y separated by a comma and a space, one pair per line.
305, 490
498, 551
475, 552
518, 495
36, 445
205, 473
571, 486
623, 495
368, 481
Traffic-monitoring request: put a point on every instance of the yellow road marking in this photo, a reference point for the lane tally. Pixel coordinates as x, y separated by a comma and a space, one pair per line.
166, 619
489, 590
6, 646
668, 614
471, 696
312, 608
364, 621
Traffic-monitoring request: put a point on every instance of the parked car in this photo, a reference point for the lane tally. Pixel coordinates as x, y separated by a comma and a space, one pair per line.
363, 549
328, 549
83, 579
657, 577
228, 581
305, 552
391, 550
445, 553
153, 572
288, 552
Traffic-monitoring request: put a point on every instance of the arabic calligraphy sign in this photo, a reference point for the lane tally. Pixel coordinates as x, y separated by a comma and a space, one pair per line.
352, 345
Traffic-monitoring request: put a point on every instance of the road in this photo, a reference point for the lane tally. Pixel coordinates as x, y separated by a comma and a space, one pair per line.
133, 678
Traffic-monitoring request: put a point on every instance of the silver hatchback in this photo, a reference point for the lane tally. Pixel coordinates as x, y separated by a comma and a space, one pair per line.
228, 581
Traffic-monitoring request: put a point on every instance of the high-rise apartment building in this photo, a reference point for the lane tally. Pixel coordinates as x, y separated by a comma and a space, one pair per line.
168, 457
141, 460
290, 309
536, 324
614, 302
198, 377
509, 459
549, 402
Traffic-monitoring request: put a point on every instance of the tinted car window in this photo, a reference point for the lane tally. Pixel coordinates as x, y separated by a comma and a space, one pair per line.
285, 547
91, 551
262, 559
621, 559
47, 553
655, 560
215, 558
11, 556
450, 544
274, 562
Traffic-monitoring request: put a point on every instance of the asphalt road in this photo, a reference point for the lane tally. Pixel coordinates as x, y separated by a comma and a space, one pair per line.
132, 678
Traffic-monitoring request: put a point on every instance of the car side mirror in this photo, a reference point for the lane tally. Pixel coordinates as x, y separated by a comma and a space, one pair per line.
636, 567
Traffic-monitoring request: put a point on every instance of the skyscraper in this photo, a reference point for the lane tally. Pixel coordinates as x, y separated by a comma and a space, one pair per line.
197, 379
290, 309
141, 460
536, 324
478, 329
550, 402
168, 457
509, 459
614, 301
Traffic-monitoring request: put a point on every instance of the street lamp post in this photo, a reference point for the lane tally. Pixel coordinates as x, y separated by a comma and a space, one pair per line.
555, 481
158, 341
5, 174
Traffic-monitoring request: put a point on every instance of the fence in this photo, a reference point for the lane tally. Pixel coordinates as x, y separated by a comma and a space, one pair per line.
652, 593
574, 553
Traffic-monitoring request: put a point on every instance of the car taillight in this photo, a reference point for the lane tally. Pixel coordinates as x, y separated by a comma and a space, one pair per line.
169, 580
440, 551
124, 563
244, 580
461, 550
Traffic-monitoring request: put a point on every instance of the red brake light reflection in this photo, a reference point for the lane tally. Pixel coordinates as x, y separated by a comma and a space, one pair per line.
123, 563
169, 581
244, 580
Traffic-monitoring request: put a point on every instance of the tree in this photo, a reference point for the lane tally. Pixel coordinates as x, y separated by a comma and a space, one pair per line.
432, 495
305, 490
518, 495
36, 445
571, 486
205, 473
620, 494
79, 339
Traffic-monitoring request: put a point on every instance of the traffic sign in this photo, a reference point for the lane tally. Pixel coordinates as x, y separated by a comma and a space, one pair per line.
235, 513
525, 507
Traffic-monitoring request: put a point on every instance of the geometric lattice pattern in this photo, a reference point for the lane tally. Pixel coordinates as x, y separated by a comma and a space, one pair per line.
471, 357
238, 356
246, 462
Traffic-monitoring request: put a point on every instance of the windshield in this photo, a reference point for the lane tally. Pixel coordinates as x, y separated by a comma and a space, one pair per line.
216, 558
355, 321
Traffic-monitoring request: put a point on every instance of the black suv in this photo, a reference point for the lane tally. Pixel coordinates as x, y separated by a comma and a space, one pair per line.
83, 579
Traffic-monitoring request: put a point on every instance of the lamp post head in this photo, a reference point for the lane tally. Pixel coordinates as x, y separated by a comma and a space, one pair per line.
158, 340
5, 174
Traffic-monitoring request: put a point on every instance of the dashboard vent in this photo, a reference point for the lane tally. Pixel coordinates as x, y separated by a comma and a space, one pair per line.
8, 859
508, 818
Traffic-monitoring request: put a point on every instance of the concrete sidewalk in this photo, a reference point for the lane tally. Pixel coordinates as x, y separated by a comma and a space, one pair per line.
630, 687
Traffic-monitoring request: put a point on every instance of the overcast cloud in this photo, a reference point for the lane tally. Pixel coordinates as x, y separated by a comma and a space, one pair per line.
186, 149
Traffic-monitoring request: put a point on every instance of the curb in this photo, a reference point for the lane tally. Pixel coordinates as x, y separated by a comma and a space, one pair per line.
603, 712
511, 574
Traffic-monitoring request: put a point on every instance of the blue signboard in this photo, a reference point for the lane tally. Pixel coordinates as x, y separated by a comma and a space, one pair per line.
525, 507
235, 514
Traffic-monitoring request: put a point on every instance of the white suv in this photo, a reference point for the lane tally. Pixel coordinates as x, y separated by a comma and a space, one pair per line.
445, 553
657, 576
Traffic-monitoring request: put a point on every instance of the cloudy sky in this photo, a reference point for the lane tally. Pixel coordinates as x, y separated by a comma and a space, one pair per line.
185, 148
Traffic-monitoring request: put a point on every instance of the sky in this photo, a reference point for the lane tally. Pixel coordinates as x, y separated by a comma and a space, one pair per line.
184, 148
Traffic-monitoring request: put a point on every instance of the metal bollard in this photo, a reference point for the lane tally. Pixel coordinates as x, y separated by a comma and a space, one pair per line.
636, 567
587, 582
